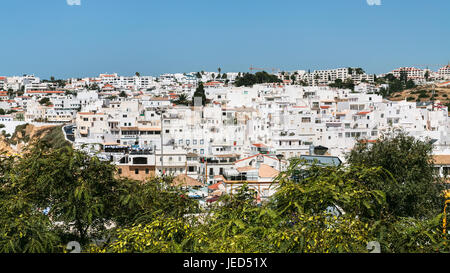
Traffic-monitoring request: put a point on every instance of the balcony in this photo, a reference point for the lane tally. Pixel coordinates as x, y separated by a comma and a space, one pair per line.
147, 151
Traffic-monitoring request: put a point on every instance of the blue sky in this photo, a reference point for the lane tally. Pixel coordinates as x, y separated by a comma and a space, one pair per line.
50, 37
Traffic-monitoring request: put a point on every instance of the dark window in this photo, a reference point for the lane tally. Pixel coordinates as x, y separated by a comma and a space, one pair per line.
140, 160
136, 171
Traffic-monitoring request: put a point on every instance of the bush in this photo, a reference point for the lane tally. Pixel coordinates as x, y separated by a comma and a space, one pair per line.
417, 189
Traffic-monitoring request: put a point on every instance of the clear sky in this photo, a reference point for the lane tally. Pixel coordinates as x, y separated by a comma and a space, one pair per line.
51, 37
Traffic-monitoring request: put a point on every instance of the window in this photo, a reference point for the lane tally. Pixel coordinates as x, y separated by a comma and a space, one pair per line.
147, 171
136, 171
306, 120
120, 171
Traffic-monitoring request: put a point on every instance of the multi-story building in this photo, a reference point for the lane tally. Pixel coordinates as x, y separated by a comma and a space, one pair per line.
444, 72
412, 73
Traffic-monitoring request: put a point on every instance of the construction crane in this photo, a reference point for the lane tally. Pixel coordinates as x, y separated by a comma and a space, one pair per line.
264, 69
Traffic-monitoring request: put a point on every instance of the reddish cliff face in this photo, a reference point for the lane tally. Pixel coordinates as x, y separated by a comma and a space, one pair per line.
26, 134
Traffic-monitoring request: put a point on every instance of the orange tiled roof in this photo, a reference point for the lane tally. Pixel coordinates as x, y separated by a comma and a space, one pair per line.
441, 159
265, 171
184, 180
364, 113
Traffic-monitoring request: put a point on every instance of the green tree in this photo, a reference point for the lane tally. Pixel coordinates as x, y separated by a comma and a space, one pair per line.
182, 99
403, 77
94, 87
10, 92
417, 191
359, 71
81, 192
293, 78
317, 188
427, 75
410, 84
249, 79
199, 92
23, 226
45, 101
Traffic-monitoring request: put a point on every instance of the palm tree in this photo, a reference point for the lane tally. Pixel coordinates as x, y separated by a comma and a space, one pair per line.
182, 99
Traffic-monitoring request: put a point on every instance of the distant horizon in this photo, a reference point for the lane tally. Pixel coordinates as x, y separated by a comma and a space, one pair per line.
435, 69
79, 39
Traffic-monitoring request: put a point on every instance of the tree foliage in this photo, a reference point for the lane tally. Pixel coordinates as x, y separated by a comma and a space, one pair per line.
347, 84
416, 190
199, 92
249, 79
50, 196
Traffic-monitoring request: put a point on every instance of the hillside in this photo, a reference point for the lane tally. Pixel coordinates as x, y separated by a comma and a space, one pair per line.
28, 133
423, 93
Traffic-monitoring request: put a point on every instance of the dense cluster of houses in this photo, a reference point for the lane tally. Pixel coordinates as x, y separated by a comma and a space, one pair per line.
244, 135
